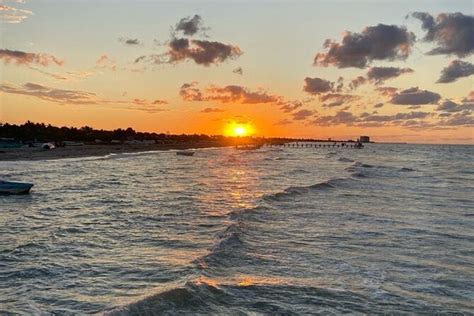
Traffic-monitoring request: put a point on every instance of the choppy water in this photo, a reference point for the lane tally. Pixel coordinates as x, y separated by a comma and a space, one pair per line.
387, 229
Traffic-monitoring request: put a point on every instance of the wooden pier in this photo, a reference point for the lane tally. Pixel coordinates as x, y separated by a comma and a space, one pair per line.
349, 145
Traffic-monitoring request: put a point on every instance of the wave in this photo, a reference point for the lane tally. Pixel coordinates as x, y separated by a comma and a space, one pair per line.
293, 191
344, 159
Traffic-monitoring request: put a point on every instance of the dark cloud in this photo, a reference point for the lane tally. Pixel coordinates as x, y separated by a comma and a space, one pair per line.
337, 99
415, 96
450, 106
290, 106
455, 70
452, 32
302, 115
341, 117
190, 26
464, 118
212, 110
357, 82
371, 120
202, 52
227, 94
238, 71
317, 86
24, 58
379, 74
380, 42
130, 41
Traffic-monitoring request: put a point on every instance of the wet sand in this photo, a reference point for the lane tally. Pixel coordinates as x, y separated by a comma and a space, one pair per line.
25, 153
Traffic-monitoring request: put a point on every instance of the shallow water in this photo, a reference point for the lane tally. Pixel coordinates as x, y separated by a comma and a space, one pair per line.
387, 229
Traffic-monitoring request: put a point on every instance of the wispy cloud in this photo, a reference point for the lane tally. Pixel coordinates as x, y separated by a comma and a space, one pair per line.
24, 58
78, 97
12, 14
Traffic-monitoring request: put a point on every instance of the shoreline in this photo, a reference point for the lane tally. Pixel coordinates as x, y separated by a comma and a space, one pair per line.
36, 154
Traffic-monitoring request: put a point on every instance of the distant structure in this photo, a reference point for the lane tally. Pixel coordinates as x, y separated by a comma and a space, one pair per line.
364, 139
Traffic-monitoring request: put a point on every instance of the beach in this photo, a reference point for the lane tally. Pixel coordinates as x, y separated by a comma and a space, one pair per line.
36, 153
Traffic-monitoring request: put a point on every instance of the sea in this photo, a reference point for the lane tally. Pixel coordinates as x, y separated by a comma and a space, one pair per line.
388, 229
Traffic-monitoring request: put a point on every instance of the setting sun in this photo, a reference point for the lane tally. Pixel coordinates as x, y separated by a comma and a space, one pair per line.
240, 131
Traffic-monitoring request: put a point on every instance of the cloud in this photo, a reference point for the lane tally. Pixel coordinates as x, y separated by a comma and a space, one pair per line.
452, 32
464, 118
227, 94
317, 86
302, 115
147, 102
355, 83
455, 70
212, 110
373, 120
415, 96
386, 91
451, 107
341, 117
51, 94
290, 106
379, 74
129, 41
202, 52
337, 99
24, 58
77, 97
238, 71
470, 97
283, 122
13, 15
190, 26
380, 42
65, 76
104, 61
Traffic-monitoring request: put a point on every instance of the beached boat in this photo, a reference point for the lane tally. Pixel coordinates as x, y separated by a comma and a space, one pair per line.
185, 153
7, 187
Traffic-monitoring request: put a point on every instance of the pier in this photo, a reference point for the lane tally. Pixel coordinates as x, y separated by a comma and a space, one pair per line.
343, 145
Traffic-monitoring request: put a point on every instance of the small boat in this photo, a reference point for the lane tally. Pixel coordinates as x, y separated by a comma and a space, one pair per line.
48, 146
7, 187
185, 153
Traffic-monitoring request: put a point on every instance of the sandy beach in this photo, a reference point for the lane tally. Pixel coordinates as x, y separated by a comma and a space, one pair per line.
34, 153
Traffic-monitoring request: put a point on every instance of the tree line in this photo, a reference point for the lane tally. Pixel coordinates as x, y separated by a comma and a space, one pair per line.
30, 131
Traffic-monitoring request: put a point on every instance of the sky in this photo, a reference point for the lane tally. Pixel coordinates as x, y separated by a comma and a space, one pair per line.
398, 71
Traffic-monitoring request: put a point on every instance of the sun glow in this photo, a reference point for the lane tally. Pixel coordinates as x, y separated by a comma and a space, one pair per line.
238, 129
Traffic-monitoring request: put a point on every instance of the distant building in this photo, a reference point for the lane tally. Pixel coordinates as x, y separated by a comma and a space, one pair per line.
364, 139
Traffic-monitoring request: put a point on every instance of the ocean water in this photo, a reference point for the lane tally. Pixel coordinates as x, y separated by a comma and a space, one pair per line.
387, 229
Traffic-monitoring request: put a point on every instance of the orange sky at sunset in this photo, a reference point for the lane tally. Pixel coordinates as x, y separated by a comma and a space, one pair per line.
292, 69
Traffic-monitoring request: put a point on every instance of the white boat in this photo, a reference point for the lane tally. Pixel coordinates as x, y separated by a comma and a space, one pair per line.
185, 153
48, 146
7, 187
